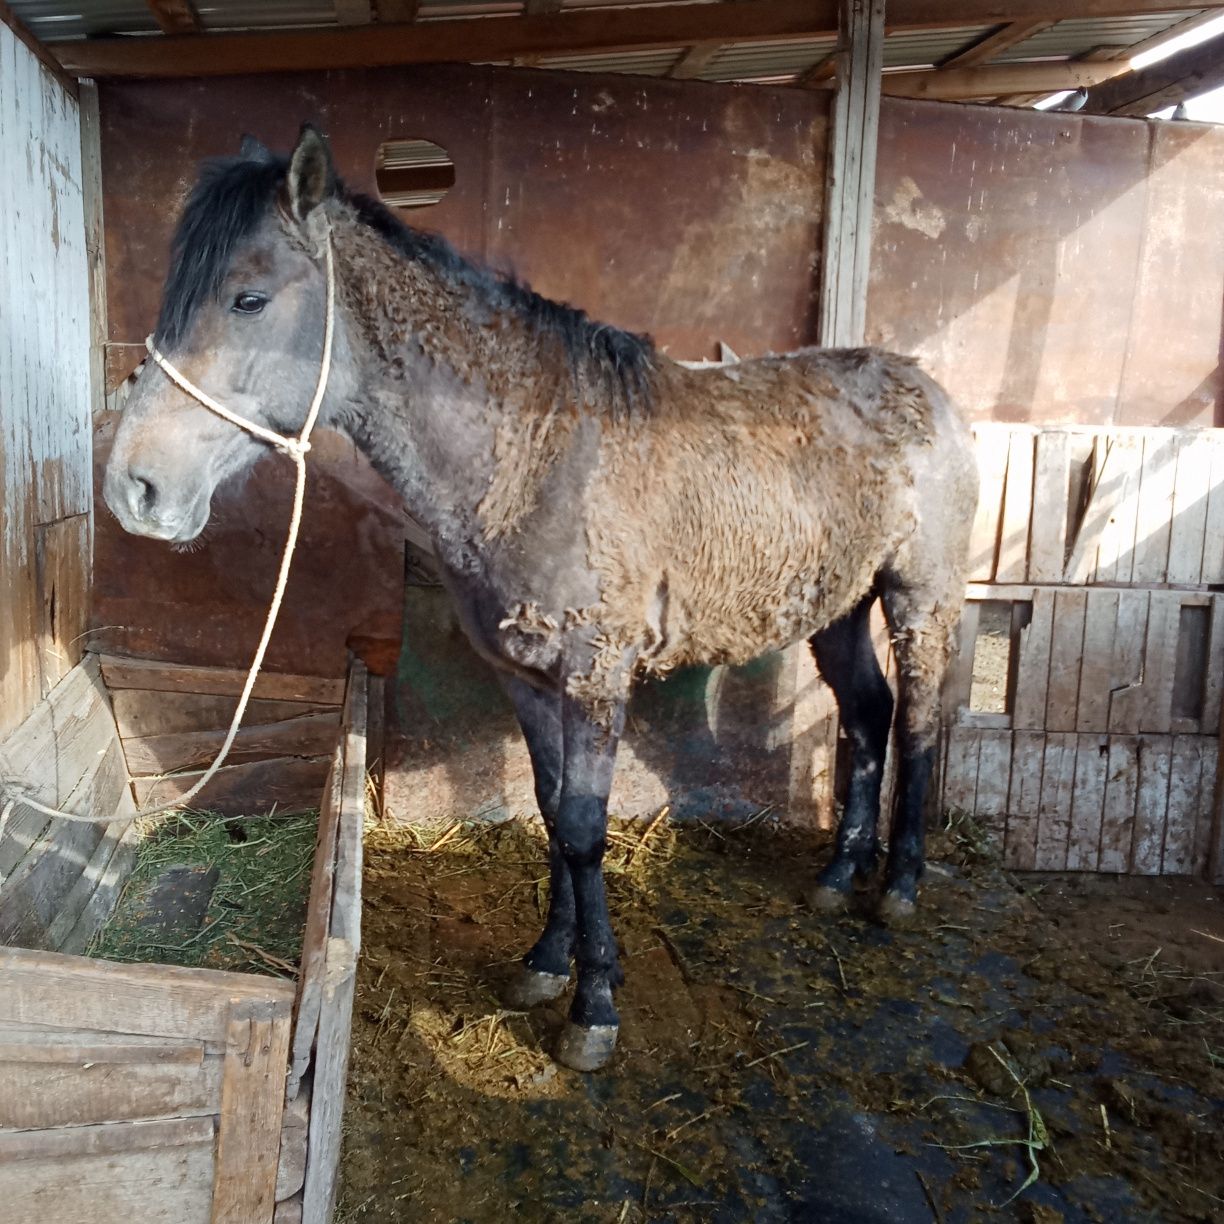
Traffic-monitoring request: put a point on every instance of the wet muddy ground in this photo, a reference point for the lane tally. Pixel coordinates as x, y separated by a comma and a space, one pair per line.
1038, 1050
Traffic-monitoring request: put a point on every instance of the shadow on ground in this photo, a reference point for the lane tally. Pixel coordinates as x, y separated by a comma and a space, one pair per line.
775, 1065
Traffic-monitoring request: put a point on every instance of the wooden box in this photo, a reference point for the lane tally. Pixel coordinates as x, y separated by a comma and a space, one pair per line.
149, 1092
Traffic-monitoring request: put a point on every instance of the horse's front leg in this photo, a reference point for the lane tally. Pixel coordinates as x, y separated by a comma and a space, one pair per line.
545, 970
589, 1037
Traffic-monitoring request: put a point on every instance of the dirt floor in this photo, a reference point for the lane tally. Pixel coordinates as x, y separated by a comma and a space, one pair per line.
1039, 1050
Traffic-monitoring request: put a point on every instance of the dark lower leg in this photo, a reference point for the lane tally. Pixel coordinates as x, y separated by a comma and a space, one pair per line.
846, 658
539, 716
905, 843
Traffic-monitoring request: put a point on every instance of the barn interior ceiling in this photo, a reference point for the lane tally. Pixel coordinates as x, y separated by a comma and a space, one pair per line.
1011, 51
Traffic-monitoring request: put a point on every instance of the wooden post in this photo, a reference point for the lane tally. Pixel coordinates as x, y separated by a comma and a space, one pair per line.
850, 184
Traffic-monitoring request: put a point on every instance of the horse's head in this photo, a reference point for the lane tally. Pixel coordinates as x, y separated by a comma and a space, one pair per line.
242, 318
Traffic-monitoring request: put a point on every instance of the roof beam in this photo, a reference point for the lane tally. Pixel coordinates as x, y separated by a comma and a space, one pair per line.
503, 38
38, 49
693, 62
1166, 83
354, 12
995, 43
965, 84
396, 10
176, 16
540, 8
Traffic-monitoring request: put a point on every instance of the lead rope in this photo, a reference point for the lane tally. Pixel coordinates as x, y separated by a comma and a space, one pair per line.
296, 449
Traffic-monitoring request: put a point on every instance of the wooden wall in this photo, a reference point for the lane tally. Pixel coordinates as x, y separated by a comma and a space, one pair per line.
45, 439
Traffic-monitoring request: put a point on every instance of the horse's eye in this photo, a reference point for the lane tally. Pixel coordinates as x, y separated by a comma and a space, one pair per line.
249, 303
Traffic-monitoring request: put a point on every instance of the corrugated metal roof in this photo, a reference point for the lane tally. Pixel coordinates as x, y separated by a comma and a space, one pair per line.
1068, 39
773, 61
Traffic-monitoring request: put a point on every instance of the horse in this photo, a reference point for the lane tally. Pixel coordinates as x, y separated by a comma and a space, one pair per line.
599, 512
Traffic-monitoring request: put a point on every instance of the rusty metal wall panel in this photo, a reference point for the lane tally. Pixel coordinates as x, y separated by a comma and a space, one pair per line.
663, 206
1041, 265
44, 378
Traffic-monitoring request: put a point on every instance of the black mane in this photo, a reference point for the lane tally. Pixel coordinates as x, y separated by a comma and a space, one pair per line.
234, 195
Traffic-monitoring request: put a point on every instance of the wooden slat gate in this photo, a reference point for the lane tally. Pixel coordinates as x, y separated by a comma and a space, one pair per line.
1083, 710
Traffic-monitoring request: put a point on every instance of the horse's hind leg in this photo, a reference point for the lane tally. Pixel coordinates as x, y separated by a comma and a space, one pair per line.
923, 623
847, 660
545, 970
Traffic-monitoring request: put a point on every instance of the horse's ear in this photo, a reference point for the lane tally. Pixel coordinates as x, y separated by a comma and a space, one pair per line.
254, 150
311, 178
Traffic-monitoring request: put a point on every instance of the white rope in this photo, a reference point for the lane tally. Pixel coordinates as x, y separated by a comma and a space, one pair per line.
296, 449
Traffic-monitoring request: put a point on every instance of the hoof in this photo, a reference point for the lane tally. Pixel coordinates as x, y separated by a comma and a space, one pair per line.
586, 1049
531, 987
897, 910
826, 900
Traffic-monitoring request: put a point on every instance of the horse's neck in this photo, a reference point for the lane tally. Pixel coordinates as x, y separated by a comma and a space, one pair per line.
441, 398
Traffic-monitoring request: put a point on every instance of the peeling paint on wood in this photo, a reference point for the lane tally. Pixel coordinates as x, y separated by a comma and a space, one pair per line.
45, 440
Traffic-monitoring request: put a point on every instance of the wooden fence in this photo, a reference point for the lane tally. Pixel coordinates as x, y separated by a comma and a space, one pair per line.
1083, 709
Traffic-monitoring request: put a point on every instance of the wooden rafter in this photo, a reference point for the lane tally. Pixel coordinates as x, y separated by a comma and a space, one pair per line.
995, 43
1166, 83
540, 8
964, 84
820, 75
176, 16
22, 33
390, 11
570, 33
354, 12
693, 62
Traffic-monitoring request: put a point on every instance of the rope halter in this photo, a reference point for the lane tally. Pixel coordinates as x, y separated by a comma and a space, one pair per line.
13, 793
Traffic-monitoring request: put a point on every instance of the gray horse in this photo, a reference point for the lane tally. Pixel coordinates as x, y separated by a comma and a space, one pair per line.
599, 511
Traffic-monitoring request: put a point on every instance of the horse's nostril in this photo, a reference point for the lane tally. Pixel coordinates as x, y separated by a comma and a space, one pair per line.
142, 495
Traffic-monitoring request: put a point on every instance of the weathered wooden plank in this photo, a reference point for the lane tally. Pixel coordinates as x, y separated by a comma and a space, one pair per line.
1047, 547
961, 769
1204, 824
330, 1079
1185, 779
1116, 508
1017, 508
958, 686
62, 566
1127, 695
50, 753
252, 1103
125, 673
311, 735
992, 471
1054, 810
1096, 666
37, 1043
36, 1094
1118, 811
1160, 661
140, 713
287, 783
31, 897
318, 923
1024, 801
1152, 804
346, 891
1191, 487
1033, 665
1213, 529
291, 1162
1087, 801
151, 1172
153, 1000
1213, 681
994, 778
1066, 656
93, 898
1156, 488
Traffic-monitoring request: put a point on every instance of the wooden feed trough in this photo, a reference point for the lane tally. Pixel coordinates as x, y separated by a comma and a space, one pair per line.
143, 1092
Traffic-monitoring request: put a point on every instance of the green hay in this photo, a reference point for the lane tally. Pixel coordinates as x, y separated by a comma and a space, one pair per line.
257, 912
